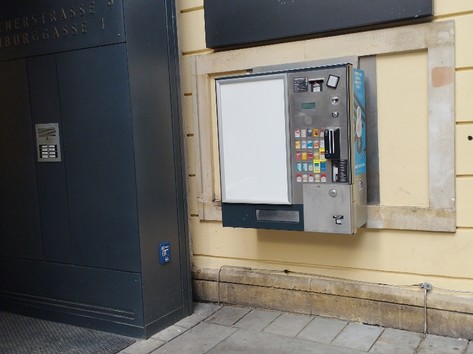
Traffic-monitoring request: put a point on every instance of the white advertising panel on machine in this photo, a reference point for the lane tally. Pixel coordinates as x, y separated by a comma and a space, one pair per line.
253, 140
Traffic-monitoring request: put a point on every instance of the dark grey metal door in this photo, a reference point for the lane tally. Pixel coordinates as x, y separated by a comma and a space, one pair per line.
80, 238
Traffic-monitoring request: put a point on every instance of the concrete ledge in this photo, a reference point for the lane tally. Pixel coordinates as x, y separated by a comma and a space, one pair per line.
448, 314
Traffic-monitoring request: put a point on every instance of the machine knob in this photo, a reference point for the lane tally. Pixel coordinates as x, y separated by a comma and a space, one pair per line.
333, 193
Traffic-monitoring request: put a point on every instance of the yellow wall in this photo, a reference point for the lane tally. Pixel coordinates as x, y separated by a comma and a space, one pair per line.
388, 256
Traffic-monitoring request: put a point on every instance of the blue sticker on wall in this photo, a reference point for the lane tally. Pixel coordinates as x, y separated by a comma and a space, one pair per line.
164, 252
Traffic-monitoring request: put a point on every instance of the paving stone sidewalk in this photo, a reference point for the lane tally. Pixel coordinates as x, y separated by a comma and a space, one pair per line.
230, 329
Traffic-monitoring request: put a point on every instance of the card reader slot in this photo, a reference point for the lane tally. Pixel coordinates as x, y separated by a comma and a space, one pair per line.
332, 143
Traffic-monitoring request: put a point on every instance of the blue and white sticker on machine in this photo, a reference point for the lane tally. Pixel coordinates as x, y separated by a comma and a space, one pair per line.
359, 118
164, 252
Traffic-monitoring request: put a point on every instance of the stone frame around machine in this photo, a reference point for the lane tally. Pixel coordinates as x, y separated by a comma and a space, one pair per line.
437, 38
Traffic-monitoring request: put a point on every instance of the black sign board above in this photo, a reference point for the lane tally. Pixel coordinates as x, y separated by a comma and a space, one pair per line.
240, 23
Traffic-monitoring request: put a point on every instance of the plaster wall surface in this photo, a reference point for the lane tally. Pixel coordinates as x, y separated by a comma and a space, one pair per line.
398, 257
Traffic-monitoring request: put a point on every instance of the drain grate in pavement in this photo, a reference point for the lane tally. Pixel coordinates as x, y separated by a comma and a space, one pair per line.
21, 334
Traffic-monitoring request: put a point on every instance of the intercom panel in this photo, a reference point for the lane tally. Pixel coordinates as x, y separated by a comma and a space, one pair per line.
48, 145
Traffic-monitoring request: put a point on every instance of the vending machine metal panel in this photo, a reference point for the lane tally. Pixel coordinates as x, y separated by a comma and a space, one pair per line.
321, 150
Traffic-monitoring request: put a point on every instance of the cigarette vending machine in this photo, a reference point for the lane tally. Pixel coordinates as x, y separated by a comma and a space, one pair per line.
292, 148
